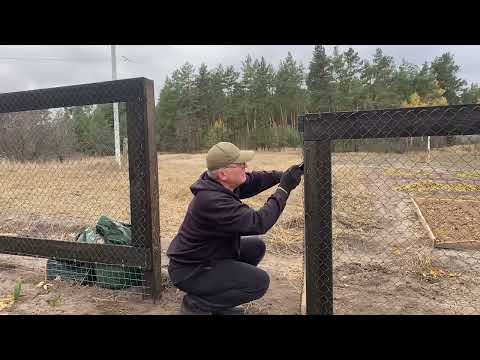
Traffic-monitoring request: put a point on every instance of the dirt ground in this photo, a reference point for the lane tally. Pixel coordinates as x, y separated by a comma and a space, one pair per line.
453, 220
384, 261
388, 265
62, 297
38, 217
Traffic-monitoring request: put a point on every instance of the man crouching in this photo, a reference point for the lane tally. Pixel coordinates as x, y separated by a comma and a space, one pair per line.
215, 254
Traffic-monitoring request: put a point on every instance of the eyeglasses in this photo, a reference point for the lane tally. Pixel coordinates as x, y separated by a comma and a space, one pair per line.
237, 165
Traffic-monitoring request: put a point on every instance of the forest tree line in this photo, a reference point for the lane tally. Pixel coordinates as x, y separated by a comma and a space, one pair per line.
256, 106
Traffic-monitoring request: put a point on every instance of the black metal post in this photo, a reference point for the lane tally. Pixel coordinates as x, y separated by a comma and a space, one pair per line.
318, 228
143, 171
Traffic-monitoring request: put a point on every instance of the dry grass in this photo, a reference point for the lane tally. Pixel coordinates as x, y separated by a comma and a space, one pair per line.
473, 174
58, 199
430, 186
403, 173
473, 149
49, 197
354, 214
178, 171
425, 270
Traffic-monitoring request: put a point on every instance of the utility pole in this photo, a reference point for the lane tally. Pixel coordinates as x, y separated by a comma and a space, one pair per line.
116, 127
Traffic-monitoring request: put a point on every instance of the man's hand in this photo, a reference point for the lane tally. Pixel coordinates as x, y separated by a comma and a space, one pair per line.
291, 178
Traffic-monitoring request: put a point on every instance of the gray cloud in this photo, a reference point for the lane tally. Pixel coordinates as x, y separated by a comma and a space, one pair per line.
44, 66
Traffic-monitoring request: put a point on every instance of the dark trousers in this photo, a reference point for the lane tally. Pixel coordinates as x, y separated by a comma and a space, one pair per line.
229, 282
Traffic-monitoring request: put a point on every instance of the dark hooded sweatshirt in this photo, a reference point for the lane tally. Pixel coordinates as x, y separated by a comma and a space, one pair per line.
216, 218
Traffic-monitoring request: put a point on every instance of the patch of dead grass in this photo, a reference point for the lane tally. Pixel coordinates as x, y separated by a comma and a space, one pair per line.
76, 193
426, 271
431, 186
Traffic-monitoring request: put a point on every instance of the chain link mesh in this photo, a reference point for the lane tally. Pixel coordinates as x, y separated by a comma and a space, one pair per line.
59, 176
392, 203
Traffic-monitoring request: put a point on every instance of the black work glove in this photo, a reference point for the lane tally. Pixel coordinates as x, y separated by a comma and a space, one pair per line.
291, 178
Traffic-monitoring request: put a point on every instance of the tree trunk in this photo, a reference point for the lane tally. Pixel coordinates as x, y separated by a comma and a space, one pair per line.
282, 120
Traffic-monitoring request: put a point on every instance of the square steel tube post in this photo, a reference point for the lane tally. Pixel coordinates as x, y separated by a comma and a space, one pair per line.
319, 130
138, 94
143, 172
318, 228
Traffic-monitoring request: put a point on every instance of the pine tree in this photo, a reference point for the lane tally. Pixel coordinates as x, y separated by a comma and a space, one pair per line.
378, 78
446, 71
425, 82
289, 95
320, 81
346, 72
405, 80
471, 95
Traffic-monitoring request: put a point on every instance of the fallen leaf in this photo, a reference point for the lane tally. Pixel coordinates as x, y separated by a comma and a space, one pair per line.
6, 303
40, 284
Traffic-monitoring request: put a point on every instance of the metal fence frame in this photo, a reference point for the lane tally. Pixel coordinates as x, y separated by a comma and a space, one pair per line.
138, 94
320, 129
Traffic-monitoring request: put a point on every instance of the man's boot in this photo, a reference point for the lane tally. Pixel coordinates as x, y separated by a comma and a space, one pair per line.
237, 310
189, 307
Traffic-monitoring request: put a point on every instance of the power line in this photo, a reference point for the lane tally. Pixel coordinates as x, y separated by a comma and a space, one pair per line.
11, 58
51, 59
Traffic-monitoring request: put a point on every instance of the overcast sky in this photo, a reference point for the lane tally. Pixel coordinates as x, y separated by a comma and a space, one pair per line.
29, 67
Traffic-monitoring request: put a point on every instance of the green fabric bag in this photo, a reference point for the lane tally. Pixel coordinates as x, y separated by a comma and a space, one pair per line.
87, 236
77, 271
114, 232
116, 276
107, 276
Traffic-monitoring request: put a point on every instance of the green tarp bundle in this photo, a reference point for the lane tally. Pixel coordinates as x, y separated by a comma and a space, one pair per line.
114, 232
108, 276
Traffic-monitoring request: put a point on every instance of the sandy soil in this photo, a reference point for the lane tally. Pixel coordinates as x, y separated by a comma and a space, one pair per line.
62, 297
384, 262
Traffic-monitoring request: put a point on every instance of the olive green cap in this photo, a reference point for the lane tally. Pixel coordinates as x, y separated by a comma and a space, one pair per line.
224, 153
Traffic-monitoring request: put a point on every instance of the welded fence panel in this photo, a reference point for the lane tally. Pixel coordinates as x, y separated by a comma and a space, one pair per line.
393, 232
63, 195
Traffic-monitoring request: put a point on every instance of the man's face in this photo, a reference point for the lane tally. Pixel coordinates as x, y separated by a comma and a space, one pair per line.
234, 175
